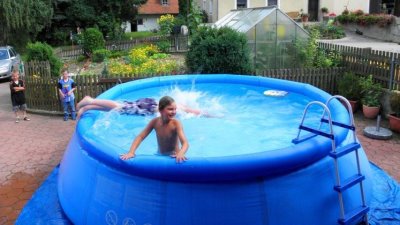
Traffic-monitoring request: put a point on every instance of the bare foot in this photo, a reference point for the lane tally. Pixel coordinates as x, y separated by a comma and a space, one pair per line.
85, 101
80, 112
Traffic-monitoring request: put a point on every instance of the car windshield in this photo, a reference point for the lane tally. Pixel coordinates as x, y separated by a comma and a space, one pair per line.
3, 54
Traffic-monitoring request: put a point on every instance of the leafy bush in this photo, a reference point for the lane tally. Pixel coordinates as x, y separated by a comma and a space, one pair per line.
349, 86
371, 91
92, 40
222, 50
395, 103
327, 31
163, 46
100, 54
309, 55
43, 52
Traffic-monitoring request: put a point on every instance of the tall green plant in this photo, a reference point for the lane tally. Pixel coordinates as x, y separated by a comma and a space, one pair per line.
166, 23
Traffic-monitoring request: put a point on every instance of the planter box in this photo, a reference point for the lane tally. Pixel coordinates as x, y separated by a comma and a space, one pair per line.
389, 33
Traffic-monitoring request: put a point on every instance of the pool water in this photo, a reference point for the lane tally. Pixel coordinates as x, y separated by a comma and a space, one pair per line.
246, 121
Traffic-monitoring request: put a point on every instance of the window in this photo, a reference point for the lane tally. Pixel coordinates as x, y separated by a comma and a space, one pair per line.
211, 8
240, 4
139, 21
164, 2
11, 52
272, 2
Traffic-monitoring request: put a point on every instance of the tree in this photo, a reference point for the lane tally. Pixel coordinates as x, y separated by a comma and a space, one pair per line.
22, 20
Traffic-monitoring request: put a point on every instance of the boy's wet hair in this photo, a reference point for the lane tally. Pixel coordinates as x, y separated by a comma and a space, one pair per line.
164, 102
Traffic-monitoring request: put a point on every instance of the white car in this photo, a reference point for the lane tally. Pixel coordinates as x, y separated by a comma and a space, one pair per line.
9, 59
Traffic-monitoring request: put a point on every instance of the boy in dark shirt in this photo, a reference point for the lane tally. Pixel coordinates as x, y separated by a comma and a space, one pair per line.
17, 88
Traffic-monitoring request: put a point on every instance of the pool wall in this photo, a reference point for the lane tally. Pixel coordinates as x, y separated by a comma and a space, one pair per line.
293, 185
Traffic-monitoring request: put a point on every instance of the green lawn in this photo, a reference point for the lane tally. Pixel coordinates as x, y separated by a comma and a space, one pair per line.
140, 34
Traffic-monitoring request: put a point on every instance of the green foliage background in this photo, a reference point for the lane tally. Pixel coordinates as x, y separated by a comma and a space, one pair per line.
222, 50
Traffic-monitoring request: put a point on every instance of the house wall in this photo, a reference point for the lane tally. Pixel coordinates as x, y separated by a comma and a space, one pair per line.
149, 23
294, 6
222, 7
257, 3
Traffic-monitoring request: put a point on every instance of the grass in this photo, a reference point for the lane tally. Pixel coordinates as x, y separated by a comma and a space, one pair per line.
139, 34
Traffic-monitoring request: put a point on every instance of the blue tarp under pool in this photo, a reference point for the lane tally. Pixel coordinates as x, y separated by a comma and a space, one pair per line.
44, 207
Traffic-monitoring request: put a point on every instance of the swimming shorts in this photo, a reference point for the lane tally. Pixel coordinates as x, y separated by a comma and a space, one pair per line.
142, 106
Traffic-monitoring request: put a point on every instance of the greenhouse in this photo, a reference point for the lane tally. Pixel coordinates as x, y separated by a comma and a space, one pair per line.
271, 35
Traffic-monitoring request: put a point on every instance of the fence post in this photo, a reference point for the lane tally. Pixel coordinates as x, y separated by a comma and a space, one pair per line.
392, 65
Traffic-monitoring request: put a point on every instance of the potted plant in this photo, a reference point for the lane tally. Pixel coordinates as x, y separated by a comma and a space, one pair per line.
304, 16
394, 118
371, 94
349, 87
324, 11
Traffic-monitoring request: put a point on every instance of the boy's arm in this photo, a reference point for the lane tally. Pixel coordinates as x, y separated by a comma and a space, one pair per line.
73, 87
180, 155
146, 131
60, 90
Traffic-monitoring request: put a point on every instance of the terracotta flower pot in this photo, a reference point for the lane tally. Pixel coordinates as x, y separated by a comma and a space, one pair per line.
353, 105
371, 112
394, 123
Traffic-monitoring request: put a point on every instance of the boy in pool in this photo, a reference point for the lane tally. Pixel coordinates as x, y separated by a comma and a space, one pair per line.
142, 106
168, 131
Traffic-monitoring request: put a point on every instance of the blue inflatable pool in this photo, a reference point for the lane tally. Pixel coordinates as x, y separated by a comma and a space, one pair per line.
288, 184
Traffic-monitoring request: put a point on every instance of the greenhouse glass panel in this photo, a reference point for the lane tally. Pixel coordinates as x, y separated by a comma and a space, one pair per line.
271, 35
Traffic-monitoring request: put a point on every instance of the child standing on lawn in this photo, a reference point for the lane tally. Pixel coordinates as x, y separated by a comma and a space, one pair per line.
66, 88
17, 88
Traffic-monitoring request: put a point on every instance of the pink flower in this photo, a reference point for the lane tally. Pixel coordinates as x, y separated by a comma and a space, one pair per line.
332, 14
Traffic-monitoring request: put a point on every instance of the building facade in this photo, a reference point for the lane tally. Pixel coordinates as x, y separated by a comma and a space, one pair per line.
216, 9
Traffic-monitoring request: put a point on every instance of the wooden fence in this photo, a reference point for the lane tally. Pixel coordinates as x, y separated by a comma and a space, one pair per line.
384, 66
323, 78
178, 43
42, 92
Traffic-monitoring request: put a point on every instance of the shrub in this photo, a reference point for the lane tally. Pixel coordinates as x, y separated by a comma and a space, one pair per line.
166, 23
43, 52
92, 40
163, 46
222, 50
100, 54
349, 86
371, 91
362, 19
395, 103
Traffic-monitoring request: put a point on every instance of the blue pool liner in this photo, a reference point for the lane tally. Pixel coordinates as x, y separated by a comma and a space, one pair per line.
44, 206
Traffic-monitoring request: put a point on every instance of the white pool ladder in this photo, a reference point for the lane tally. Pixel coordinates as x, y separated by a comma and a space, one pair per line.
341, 186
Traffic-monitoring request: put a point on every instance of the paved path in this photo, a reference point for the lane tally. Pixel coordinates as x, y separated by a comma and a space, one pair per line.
31, 149
355, 40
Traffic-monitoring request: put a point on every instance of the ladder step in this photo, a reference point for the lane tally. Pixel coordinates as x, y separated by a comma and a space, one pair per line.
350, 127
303, 138
341, 151
318, 132
350, 217
348, 183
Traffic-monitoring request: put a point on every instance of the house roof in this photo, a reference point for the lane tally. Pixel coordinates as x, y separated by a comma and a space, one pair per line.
155, 7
